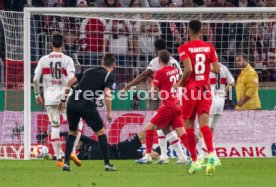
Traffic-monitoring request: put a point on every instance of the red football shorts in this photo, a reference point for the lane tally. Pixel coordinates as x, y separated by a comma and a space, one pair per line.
196, 101
168, 115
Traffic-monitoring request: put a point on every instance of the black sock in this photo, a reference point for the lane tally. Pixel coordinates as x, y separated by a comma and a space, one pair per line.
104, 148
69, 147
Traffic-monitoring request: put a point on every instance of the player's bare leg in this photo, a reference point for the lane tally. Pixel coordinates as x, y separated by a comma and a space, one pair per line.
208, 139
191, 144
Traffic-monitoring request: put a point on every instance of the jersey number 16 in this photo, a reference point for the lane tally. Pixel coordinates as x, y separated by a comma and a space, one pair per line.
56, 70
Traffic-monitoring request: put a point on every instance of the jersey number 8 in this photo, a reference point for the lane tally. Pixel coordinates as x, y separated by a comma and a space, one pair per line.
200, 66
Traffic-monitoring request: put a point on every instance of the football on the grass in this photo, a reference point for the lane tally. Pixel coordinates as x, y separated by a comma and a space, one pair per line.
40, 151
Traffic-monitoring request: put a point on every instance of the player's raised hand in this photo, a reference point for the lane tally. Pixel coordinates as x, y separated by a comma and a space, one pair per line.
39, 100
109, 117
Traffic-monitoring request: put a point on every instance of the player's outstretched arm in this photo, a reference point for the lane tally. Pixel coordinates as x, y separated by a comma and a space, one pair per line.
188, 68
138, 79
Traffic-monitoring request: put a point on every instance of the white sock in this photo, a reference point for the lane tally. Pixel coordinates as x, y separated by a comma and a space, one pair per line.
201, 147
175, 144
77, 137
56, 141
213, 125
147, 155
162, 143
215, 153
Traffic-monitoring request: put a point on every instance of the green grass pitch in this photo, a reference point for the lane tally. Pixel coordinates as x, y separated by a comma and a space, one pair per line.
43, 173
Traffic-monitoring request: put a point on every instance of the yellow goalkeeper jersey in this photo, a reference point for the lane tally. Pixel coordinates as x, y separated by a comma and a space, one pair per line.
247, 85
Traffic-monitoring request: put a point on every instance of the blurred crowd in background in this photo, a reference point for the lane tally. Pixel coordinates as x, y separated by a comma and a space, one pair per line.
87, 39
18, 5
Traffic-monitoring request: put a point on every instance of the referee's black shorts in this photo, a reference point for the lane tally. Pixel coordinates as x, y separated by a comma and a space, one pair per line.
87, 110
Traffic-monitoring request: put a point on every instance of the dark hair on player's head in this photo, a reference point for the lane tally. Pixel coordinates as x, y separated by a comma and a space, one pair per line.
108, 60
164, 56
57, 40
243, 55
160, 44
195, 26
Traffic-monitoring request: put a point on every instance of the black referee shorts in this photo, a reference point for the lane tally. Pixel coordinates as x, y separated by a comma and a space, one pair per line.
87, 111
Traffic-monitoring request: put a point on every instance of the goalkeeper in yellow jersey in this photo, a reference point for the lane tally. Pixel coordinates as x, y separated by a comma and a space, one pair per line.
247, 85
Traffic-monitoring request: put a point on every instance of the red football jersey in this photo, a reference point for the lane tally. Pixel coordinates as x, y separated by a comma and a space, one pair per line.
164, 80
201, 54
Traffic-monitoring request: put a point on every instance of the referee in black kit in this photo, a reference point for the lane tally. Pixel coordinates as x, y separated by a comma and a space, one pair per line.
82, 104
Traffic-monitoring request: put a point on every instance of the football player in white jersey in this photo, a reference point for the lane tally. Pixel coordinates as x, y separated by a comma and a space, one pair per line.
154, 66
219, 84
56, 69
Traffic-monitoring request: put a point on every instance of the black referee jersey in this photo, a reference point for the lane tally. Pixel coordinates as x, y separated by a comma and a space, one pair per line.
93, 81
82, 103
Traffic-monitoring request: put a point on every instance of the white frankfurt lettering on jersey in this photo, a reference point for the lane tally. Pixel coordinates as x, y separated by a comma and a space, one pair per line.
199, 49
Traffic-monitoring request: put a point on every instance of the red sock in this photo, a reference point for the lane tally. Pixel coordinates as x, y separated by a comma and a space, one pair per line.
191, 143
208, 138
149, 141
183, 139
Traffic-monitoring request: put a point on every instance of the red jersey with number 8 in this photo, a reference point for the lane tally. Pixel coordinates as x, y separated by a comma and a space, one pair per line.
201, 54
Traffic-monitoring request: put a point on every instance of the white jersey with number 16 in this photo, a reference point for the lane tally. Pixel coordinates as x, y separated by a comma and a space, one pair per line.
56, 69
